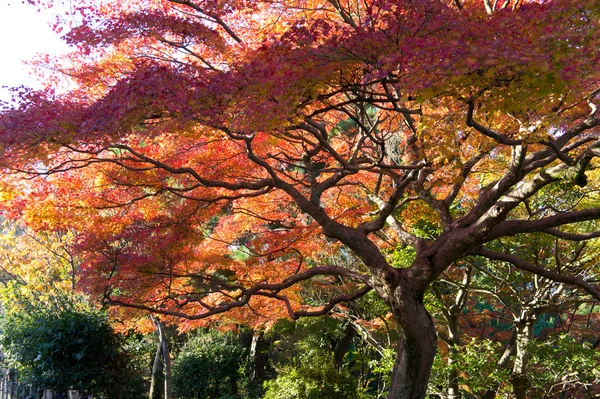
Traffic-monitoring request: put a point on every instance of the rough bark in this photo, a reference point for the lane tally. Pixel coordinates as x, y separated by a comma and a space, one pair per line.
416, 345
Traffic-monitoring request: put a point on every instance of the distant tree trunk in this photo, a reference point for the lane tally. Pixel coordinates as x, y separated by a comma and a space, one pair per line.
453, 388
157, 371
343, 346
259, 355
164, 353
451, 315
519, 379
167, 364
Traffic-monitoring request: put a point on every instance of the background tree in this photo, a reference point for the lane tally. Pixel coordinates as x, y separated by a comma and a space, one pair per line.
284, 132
161, 382
494, 304
44, 261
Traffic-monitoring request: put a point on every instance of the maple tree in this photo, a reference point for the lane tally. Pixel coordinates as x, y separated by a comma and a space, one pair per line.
215, 157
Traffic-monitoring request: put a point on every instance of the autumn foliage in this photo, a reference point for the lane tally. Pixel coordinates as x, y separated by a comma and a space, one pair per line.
214, 157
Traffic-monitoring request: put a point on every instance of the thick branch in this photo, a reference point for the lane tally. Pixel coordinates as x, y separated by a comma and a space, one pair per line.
513, 227
493, 204
439, 206
488, 132
405, 236
358, 242
545, 157
339, 299
464, 173
529, 267
387, 208
572, 236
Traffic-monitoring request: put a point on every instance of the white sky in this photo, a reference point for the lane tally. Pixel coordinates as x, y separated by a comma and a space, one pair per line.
24, 32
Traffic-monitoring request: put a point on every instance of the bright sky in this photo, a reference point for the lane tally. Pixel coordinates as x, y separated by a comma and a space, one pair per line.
24, 32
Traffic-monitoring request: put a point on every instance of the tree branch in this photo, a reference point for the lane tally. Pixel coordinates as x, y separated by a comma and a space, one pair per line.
212, 15
271, 290
487, 132
529, 267
387, 208
405, 236
332, 303
257, 185
572, 236
346, 16
511, 228
464, 173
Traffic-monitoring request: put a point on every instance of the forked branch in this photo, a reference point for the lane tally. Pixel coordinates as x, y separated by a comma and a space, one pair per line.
270, 290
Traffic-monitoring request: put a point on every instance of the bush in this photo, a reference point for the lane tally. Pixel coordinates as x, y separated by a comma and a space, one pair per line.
209, 366
317, 378
62, 343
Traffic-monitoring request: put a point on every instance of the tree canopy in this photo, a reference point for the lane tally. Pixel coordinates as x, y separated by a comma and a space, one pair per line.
215, 158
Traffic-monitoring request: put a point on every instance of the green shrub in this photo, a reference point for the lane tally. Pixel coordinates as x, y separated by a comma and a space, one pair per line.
316, 378
209, 366
60, 342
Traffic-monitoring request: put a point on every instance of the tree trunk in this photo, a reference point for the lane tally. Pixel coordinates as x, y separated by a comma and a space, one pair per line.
163, 348
166, 354
417, 342
519, 379
502, 363
156, 375
258, 356
453, 388
343, 346
453, 339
